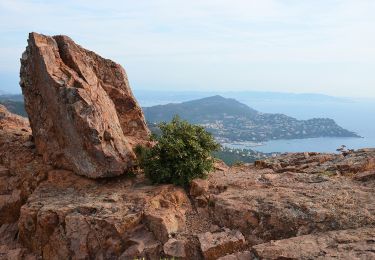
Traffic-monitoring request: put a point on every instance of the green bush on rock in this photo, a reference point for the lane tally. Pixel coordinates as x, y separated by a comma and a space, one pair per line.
182, 152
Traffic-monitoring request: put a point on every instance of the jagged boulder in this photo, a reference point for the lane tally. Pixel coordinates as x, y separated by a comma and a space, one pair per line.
82, 112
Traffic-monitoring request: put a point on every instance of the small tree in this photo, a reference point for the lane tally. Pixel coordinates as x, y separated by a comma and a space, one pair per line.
182, 152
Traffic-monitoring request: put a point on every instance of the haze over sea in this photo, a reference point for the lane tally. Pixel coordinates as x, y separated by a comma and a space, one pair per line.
356, 115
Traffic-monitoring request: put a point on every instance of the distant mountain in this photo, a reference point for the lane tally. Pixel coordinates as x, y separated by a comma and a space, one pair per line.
230, 120
14, 103
13, 97
199, 111
156, 97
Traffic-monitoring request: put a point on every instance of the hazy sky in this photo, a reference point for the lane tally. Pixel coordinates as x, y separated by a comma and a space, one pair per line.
320, 46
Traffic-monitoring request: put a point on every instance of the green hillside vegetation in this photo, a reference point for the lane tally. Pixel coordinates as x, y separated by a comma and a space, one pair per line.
16, 107
229, 120
228, 155
232, 156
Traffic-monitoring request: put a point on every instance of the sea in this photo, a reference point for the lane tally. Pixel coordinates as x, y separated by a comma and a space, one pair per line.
354, 114
357, 115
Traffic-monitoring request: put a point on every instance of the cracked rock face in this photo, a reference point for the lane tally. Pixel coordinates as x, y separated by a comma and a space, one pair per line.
82, 112
20, 169
267, 204
72, 217
341, 244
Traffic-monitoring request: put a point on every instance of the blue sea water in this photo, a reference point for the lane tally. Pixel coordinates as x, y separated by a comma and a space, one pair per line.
357, 115
354, 115
310, 144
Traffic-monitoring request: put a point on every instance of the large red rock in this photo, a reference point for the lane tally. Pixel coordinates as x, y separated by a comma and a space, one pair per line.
82, 112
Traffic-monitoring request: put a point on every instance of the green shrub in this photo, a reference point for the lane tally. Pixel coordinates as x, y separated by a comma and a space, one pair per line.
182, 152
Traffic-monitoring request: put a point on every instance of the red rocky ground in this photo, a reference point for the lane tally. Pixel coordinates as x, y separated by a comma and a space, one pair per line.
65, 190
321, 208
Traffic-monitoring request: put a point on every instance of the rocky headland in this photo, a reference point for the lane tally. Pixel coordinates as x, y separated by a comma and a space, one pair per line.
67, 190
231, 121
